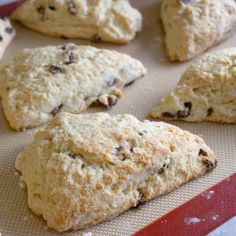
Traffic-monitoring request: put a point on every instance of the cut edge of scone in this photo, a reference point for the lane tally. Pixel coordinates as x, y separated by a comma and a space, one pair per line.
123, 21
150, 159
7, 34
183, 41
205, 91
120, 71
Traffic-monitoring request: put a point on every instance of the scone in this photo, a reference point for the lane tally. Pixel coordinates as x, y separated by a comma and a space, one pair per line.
38, 83
7, 33
193, 26
100, 20
205, 92
83, 169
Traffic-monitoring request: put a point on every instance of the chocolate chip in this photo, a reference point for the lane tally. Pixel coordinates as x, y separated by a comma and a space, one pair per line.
71, 7
209, 164
56, 110
73, 156
63, 37
112, 82
9, 30
51, 7
96, 38
1, 38
124, 157
209, 111
2, 17
55, 69
168, 115
111, 102
72, 58
161, 170
185, 1
130, 83
41, 11
165, 166
69, 46
139, 202
186, 112
202, 153
119, 148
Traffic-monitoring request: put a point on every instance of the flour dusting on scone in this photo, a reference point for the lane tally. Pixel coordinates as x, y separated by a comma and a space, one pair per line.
205, 92
193, 26
83, 169
7, 33
100, 20
38, 83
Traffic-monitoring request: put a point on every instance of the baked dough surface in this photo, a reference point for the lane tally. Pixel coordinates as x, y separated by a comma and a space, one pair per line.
193, 26
38, 83
83, 169
100, 20
205, 92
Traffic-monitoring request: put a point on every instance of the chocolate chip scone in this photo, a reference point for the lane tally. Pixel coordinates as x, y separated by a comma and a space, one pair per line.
100, 20
38, 83
7, 33
83, 169
193, 26
205, 92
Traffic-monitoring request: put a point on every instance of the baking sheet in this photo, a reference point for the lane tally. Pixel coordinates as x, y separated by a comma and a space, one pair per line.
138, 99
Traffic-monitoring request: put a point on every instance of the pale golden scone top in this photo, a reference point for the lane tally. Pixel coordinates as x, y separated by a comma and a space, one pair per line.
38, 83
193, 26
100, 20
205, 92
83, 169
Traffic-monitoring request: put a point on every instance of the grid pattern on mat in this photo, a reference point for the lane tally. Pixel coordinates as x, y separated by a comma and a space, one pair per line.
138, 99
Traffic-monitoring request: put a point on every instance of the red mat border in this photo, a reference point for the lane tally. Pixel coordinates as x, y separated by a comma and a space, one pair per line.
9, 8
213, 212
223, 202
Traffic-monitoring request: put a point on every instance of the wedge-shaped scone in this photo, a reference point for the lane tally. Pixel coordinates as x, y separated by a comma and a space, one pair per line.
7, 33
39, 83
193, 26
83, 169
205, 92
100, 20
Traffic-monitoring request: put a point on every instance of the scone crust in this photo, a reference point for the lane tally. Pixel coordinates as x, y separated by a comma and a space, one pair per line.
100, 20
7, 33
206, 90
83, 169
38, 83
192, 27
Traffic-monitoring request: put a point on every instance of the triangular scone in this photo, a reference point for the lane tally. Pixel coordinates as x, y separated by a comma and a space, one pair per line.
205, 92
100, 20
7, 33
40, 82
83, 169
193, 26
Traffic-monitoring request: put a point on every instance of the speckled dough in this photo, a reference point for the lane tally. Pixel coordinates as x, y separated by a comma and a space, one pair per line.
83, 169
7, 33
38, 83
193, 26
205, 92
100, 20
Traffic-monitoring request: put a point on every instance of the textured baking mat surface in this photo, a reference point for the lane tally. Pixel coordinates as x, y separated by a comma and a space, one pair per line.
138, 99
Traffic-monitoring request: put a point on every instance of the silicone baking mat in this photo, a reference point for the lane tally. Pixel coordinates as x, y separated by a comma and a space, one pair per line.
138, 99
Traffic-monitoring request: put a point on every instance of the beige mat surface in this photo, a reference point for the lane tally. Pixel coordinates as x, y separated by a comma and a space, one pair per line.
138, 99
